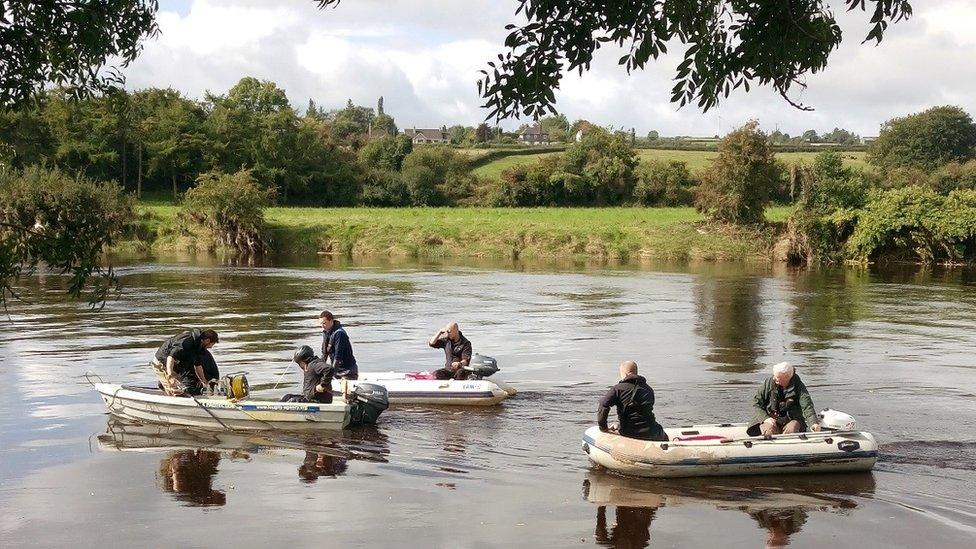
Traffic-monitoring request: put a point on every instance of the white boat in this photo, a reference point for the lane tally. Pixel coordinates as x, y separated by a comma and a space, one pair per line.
147, 404
727, 449
423, 388
410, 388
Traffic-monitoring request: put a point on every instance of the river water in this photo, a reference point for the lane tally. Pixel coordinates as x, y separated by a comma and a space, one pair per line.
895, 349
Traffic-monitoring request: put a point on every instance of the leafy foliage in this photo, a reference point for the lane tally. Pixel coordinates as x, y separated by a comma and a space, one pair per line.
229, 209
954, 176
661, 183
436, 176
386, 152
738, 185
67, 43
730, 44
916, 223
48, 217
925, 140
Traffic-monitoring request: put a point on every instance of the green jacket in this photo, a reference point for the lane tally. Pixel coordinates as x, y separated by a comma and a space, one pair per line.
799, 407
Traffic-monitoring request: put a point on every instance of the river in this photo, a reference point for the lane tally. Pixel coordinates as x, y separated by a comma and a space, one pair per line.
893, 348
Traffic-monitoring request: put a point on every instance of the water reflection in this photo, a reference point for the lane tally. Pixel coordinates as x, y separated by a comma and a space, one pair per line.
729, 317
778, 505
189, 468
824, 305
189, 476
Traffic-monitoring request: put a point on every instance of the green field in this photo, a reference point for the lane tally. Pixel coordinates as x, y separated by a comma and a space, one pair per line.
626, 234
696, 160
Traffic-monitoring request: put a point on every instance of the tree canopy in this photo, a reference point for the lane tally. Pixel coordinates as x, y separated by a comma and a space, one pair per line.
925, 140
68, 43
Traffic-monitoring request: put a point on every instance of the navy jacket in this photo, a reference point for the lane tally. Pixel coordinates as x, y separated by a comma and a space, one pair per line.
337, 348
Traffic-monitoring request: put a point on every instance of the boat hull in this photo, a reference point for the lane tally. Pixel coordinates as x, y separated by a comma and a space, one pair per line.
150, 405
476, 392
731, 453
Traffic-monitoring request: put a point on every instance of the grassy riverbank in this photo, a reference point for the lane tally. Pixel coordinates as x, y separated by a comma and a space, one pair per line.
627, 234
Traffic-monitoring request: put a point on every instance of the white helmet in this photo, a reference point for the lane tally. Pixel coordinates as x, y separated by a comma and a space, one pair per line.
838, 421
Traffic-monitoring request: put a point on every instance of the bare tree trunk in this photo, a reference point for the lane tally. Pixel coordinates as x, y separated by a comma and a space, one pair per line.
172, 172
139, 178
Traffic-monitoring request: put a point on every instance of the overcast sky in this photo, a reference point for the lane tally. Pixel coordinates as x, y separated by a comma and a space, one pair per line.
423, 57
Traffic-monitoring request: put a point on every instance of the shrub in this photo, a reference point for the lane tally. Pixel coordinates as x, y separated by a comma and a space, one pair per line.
386, 153
385, 188
600, 170
528, 185
65, 222
916, 223
229, 209
954, 176
436, 176
925, 140
661, 183
736, 188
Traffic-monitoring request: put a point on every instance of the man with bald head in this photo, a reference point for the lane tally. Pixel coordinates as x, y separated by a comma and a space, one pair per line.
783, 404
457, 352
634, 400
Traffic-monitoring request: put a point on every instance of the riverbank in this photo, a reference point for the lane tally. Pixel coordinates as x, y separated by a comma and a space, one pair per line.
621, 234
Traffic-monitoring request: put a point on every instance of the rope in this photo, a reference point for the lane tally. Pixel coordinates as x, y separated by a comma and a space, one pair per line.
205, 409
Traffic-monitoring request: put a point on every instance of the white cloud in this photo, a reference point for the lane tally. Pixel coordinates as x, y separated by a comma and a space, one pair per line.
424, 57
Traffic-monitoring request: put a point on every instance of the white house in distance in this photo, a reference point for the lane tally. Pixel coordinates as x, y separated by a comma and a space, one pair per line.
534, 135
425, 135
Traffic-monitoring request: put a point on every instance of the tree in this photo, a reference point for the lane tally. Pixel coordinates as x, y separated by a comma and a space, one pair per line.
174, 138
351, 120
841, 136
483, 133
925, 140
738, 185
68, 43
50, 218
386, 152
653, 135
810, 136
557, 126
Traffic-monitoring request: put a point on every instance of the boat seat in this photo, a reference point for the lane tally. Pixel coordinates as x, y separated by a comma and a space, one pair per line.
697, 437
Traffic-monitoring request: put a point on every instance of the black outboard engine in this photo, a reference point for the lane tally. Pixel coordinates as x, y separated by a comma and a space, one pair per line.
368, 401
482, 366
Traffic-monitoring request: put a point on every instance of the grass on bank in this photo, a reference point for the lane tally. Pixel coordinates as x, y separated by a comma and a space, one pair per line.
696, 160
626, 234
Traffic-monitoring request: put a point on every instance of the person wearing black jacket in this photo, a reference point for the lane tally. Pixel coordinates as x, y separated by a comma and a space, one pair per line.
457, 352
179, 362
634, 401
337, 348
317, 382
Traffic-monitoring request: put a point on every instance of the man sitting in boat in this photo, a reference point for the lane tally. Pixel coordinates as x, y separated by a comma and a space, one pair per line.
634, 400
317, 384
783, 404
337, 347
457, 352
179, 362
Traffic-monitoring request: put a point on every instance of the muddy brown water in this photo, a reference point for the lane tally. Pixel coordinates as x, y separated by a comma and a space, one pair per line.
893, 348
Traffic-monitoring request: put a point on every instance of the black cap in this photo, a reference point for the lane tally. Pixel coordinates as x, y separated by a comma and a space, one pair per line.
304, 354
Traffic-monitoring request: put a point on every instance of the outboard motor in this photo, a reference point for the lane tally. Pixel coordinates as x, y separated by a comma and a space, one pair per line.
836, 421
368, 401
482, 366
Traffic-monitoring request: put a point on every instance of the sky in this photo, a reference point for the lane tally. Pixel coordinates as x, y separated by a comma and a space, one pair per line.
423, 57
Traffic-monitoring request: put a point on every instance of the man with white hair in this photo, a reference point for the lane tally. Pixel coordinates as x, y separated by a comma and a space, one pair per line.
783, 404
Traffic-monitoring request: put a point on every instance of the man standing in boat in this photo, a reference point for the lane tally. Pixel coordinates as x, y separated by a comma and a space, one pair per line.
783, 404
179, 362
337, 347
457, 352
634, 400
317, 381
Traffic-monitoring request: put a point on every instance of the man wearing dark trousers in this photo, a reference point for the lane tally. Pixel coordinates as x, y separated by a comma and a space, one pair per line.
337, 348
317, 381
457, 352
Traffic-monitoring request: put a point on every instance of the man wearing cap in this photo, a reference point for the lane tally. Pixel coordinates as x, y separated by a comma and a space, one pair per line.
634, 400
179, 362
317, 381
337, 347
783, 404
